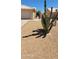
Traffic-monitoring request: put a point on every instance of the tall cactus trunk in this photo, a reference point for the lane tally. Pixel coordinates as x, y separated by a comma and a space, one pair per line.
45, 18
45, 8
50, 25
51, 12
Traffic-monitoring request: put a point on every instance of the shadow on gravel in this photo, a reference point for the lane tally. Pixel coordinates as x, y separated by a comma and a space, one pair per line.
38, 33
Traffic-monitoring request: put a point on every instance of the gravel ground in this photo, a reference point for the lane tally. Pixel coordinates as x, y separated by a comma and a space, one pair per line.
38, 48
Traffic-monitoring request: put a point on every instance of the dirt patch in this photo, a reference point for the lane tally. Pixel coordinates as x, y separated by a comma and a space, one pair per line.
39, 48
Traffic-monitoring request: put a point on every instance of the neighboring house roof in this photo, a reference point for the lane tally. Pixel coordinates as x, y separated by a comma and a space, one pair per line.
54, 9
27, 7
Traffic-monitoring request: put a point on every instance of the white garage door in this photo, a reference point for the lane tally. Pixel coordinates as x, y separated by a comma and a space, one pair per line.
26, 15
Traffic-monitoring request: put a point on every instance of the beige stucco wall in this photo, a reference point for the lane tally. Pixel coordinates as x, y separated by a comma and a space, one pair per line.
48, 13
28, 13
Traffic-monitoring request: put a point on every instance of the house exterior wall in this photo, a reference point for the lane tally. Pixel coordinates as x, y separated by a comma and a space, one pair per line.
54, 13
27, 13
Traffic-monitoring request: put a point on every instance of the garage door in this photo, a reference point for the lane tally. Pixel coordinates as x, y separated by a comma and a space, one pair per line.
26, 15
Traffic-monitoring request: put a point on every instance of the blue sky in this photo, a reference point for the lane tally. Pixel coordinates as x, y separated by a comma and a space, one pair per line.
39, 4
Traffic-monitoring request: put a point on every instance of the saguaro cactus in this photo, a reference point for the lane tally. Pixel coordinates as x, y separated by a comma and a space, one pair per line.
47, 25
45, 19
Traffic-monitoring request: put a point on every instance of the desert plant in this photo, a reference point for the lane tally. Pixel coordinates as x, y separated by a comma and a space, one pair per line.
38, 14
47, 22
47, 25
